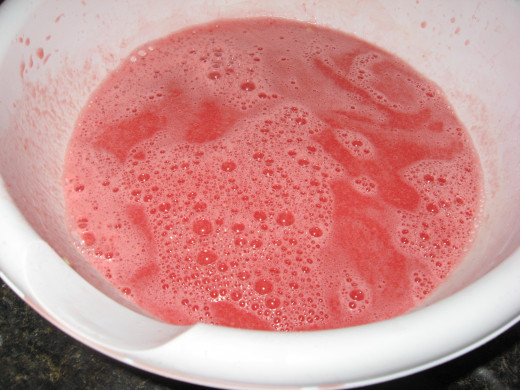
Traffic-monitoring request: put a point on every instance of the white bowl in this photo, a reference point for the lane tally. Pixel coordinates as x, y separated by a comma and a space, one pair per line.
53, 54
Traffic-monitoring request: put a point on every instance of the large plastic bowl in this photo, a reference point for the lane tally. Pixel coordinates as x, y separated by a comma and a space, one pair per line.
54, 53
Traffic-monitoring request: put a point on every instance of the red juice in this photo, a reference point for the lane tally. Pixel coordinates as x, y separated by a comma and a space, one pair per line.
271, 174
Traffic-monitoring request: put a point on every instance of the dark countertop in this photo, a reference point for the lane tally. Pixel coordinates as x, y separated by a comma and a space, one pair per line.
36, 355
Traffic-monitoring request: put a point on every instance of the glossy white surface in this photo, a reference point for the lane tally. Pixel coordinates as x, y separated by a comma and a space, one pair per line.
468, 48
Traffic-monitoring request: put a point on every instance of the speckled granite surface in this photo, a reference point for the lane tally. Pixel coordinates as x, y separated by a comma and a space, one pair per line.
36, 355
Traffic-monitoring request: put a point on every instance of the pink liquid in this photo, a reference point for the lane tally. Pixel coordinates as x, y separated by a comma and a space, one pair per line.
270, 174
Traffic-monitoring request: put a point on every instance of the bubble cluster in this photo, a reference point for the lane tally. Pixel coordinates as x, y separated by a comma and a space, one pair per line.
357, 144
445, 230
263, 175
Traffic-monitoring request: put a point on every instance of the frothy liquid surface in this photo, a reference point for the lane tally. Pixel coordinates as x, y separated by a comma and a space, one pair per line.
271, 174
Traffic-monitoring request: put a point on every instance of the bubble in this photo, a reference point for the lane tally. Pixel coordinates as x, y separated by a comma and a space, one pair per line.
315, 231
164, 207
126, 291
214, 75
206, 257
357, 295
260, 216
236, 295
263, 286
459, 200
256, 243
82, 223
432, 208
272, 303
240, 241
202, 227
228, 166
428, 178
424, 236
243, 275
248, 86
444, 203
285, 218
238, 227
143, 177
268, 172
199, 206
79, 188
88, 239
222, 267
